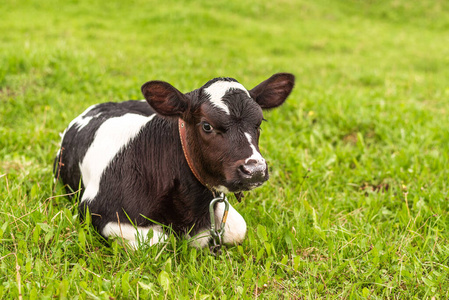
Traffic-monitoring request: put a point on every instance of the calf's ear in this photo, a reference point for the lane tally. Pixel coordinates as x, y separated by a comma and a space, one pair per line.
272, 92
164, 98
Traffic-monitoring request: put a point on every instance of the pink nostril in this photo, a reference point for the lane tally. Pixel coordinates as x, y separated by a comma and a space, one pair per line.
245, 170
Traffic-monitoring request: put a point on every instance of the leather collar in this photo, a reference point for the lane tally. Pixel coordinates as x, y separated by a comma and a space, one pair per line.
183, 138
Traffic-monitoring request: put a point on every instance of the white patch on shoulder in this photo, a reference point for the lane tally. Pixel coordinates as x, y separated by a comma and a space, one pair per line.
218, 89
112, 136
256, 154
136, 236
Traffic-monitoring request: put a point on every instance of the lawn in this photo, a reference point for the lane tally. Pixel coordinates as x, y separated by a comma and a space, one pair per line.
357, 203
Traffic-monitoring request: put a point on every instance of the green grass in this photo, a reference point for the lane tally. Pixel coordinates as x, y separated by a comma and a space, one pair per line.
357, 203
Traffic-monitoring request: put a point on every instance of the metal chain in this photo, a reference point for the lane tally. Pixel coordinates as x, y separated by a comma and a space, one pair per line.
217, 233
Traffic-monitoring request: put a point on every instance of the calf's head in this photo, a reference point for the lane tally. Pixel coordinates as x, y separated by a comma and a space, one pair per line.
222, 126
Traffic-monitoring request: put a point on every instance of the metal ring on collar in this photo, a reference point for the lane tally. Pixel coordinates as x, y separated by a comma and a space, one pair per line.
217, 233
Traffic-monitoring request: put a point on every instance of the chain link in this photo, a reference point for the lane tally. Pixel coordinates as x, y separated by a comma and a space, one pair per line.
217, 233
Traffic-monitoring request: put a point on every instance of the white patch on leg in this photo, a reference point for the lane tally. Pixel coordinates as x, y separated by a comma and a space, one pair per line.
136, 236
256, 154
112, 136
235, 227
200, 240
218, 89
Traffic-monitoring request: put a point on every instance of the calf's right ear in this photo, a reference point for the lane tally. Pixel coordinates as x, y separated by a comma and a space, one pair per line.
164, 98
272, 92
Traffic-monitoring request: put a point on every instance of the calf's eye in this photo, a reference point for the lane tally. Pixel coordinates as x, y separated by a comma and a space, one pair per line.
207, 127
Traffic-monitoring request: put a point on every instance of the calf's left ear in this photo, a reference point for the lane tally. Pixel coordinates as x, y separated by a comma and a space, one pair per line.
165, 98
272, 92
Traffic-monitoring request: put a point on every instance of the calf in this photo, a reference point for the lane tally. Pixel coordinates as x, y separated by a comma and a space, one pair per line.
138, 163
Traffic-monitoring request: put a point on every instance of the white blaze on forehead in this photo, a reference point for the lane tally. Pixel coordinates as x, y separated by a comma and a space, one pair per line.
218, 89
112, 136
256, 154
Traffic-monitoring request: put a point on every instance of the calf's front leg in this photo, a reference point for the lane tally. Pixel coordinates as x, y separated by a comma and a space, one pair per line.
235, 228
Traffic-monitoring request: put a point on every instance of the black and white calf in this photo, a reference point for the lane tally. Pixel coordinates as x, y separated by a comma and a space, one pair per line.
162, 159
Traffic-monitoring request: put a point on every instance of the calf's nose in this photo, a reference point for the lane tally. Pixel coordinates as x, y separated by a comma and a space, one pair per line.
253, 169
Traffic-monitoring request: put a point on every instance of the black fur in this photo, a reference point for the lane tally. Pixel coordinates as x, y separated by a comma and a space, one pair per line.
147, 178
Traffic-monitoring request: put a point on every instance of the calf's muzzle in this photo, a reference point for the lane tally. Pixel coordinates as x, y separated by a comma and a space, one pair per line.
253, 171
